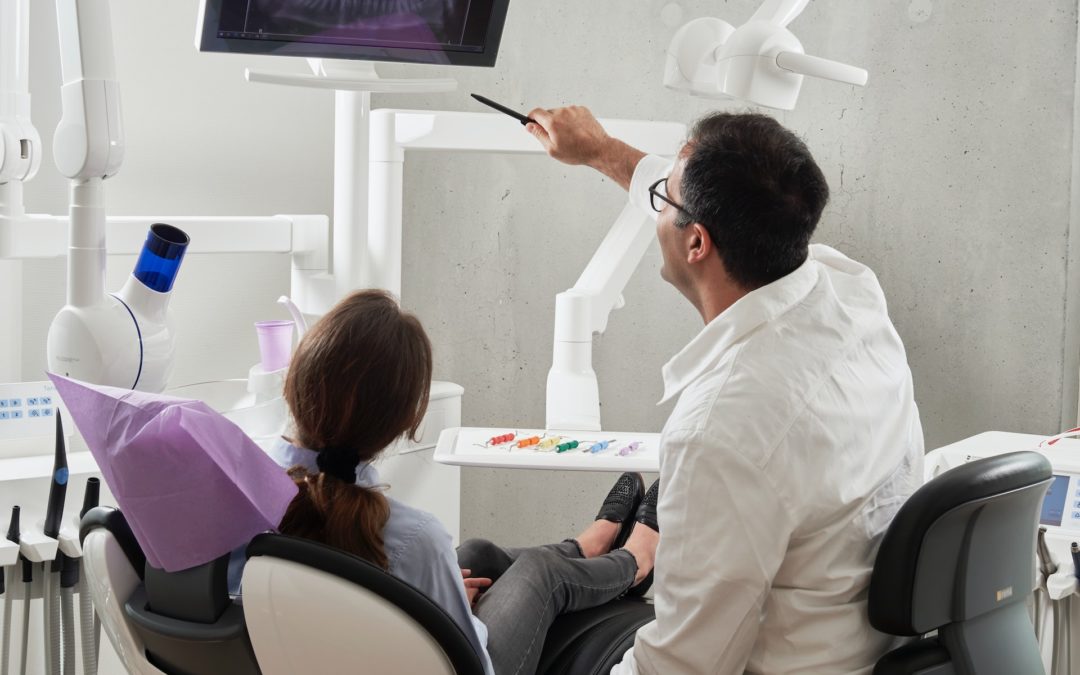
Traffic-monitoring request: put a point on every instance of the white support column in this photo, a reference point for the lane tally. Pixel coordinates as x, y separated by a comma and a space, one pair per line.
14, 110
350, 257
386, 190
14, 55
11, 322
11, 291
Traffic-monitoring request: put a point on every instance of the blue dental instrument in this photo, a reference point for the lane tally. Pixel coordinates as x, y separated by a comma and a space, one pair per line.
598, 446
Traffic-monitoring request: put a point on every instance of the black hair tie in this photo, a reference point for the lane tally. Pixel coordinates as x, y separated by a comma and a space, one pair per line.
340, 463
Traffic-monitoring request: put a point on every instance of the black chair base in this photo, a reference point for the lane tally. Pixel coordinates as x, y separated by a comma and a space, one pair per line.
922, 656
594, 640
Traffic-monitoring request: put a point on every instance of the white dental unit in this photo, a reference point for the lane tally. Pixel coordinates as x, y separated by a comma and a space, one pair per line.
126, 339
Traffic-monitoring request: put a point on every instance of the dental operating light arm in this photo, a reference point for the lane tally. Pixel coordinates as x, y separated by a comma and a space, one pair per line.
761, 61
780, 12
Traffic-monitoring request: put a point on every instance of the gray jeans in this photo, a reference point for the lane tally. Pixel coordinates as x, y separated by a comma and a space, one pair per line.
532, 587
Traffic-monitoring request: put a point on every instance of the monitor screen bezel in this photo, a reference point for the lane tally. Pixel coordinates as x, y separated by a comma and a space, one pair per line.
207, 40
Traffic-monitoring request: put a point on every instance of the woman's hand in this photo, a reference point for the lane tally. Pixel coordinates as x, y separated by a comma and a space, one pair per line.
474, 586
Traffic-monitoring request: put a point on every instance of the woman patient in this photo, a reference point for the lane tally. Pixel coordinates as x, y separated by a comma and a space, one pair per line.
359, 380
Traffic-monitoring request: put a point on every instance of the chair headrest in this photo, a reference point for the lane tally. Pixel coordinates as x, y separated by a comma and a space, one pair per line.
351, 568
199, 594
962, 545
113, 521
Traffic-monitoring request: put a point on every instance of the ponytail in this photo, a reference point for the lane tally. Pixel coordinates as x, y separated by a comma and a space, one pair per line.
339, 514
359, 380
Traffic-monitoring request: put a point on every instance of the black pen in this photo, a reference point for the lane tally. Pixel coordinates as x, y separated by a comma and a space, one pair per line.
1075, 550
503, 109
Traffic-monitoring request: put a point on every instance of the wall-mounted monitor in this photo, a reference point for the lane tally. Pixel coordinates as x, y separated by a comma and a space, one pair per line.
445, 32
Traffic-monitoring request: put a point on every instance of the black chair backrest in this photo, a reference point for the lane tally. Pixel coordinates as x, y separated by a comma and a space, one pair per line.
186, 620
960, 558
432, 618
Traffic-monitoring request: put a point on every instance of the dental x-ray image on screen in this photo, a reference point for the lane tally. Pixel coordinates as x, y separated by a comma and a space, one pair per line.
431, 31
404, 23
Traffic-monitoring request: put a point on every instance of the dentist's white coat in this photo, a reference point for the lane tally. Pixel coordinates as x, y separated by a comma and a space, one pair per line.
794, 441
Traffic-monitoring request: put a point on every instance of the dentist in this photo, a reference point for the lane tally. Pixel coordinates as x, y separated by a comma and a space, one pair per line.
795, 438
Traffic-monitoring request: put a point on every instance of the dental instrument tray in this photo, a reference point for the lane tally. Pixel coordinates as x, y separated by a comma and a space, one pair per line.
510, 448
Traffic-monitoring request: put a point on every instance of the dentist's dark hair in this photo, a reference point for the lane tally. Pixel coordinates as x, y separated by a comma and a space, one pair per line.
757, 190
359, 380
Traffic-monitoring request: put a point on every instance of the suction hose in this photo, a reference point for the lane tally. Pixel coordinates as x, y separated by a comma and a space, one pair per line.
5, 639
90, 626
5, 644
67, 621
28, 587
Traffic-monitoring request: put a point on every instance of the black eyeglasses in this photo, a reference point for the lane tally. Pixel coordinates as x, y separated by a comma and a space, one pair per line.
655, 194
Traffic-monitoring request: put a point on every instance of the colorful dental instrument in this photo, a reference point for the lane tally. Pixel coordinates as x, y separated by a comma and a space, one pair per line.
549, 443
499, 440
598, 446
623, 452
526, 442
563, 447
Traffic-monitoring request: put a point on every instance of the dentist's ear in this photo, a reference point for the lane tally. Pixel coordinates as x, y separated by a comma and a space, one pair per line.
699, 243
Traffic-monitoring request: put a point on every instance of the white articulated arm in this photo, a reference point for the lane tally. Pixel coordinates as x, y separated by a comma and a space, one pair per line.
89, 141
573, 397
20, 143
780, 12
761, 61
815, 66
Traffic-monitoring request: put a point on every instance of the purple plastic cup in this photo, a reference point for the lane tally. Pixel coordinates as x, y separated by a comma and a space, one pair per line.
275, 343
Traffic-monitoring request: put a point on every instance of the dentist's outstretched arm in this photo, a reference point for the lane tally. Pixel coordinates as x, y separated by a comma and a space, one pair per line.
573, 136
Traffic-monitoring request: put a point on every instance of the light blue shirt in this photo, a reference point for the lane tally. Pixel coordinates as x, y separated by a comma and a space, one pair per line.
420, 550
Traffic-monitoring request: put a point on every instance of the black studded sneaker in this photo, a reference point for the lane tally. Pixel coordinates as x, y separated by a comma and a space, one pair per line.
646, 515
621, 504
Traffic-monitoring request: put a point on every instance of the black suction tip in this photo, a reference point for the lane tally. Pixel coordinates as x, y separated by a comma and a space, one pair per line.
91, 497
13, 526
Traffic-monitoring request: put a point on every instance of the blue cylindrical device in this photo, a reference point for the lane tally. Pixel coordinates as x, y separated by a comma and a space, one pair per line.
161, 257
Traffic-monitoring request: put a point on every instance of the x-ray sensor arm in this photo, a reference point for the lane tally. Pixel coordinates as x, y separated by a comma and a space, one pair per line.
122, 339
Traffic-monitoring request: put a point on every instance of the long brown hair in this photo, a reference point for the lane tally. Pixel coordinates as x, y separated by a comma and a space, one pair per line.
359, 380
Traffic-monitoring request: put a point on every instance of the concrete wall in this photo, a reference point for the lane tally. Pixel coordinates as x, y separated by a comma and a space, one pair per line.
951, 175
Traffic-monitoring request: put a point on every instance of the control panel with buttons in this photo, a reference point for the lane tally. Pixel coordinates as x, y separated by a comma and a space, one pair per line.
27, 410
1061, 506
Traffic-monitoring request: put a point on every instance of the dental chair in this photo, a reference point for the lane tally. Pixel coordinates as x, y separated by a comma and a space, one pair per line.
367, 620
162, 623
959, 559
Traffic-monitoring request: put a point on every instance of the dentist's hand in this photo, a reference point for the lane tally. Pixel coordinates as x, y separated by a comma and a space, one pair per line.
573, 136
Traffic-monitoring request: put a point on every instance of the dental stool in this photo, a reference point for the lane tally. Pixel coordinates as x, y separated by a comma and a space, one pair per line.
162, 623
312, 608
959, 559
